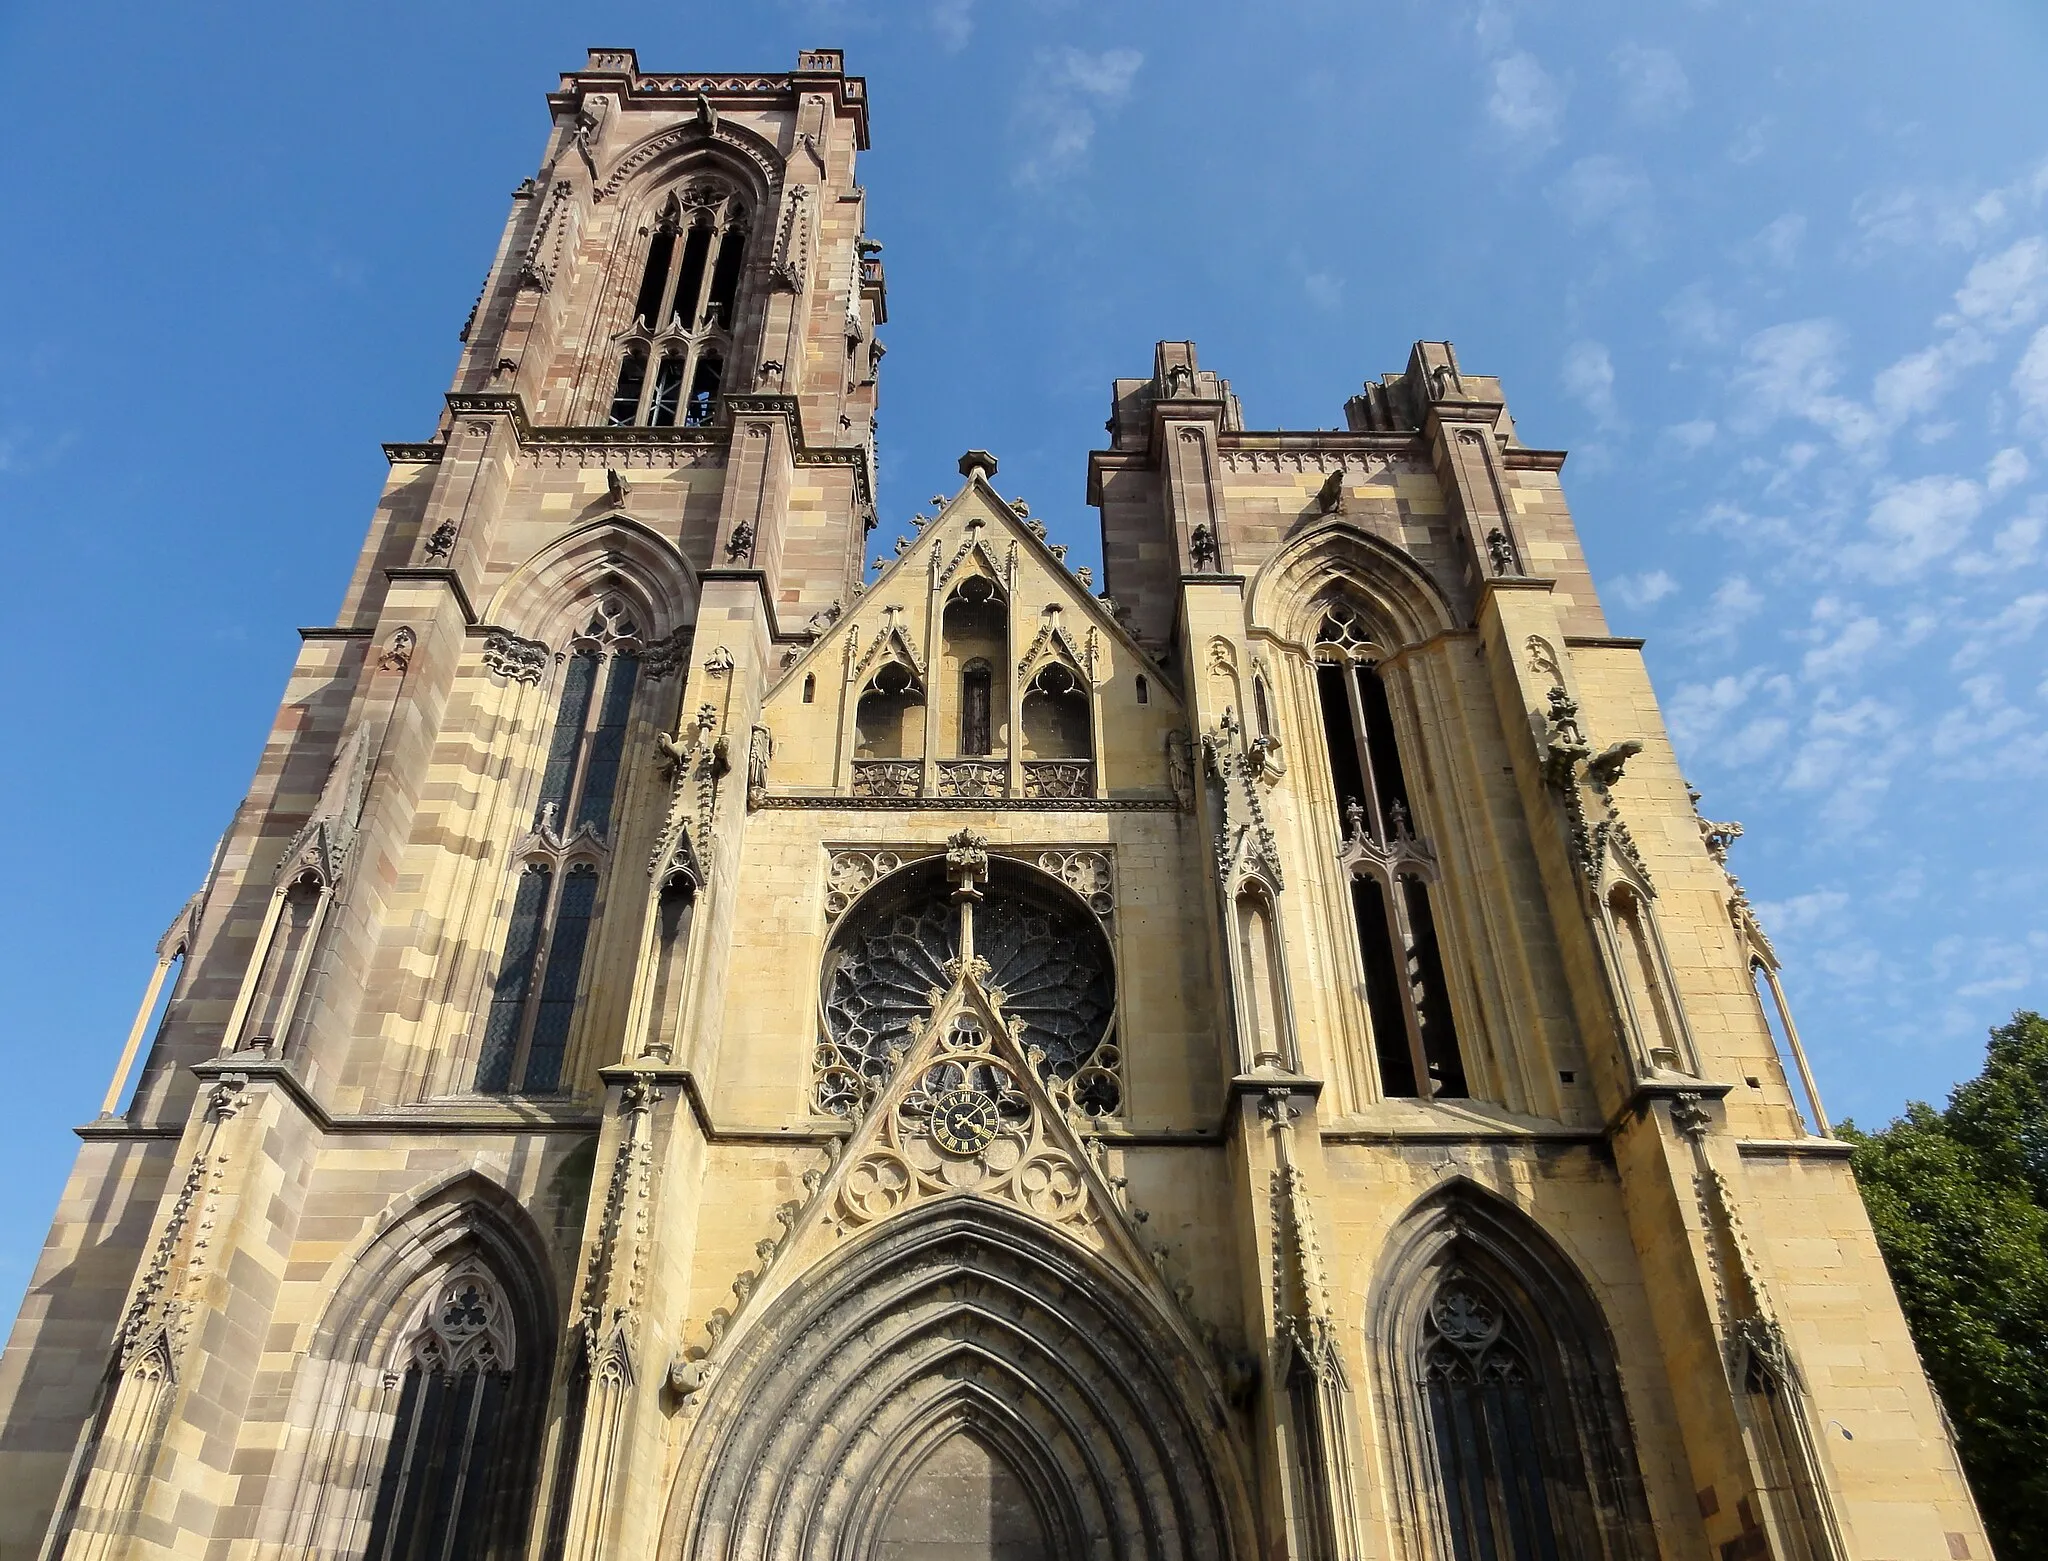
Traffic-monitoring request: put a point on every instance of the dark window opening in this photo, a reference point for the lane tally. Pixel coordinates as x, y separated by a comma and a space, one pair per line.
703, 390
810, 688
1384, 982
668, 391
647, 308
1407, 995
725, 276
690, 284
1343, 753
1144, 690
632, 379
1432, 1002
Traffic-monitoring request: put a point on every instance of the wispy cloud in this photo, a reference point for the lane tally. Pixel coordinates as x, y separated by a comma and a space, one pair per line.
953, 21
1603, 191
1525, 103
1588, 374
1654, 89
1644, 590
1067, 88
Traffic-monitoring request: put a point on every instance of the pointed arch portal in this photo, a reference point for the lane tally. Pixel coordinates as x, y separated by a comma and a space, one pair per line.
962, 1377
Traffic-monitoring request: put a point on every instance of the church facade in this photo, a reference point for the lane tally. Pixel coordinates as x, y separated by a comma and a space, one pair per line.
697, 1045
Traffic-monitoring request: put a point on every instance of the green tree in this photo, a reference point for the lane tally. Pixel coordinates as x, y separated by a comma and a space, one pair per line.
1959, 1199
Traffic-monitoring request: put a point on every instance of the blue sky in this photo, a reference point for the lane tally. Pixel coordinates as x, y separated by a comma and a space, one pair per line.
1776, 274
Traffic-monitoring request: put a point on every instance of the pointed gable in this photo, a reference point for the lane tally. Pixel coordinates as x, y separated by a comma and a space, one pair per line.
941, 734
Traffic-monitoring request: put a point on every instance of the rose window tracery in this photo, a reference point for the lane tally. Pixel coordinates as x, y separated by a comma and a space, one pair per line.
1046, 954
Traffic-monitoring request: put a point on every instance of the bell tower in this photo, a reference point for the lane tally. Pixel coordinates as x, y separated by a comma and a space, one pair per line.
686, 1053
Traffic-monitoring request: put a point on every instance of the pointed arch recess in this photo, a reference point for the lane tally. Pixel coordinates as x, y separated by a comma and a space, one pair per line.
1462, 1228
1288, 596
463, 1220
658, 160
959, 1315
616, 553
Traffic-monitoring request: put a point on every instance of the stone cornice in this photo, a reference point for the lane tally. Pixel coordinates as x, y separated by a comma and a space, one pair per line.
601, 438
618, 71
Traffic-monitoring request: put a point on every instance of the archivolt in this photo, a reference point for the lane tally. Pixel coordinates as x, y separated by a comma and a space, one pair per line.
617, 553
966, 1319
1295, 584
1463, 1228
733, 148
463, 1220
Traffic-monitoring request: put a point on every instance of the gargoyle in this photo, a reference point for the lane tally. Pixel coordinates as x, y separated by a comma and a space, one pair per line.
1605, 767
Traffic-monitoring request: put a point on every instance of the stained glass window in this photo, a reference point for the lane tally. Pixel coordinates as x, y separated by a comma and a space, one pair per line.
1047, 954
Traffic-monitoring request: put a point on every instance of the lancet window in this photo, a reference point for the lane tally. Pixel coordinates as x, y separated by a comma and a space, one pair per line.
561, 861
672, 355
1392, 868
1492, 1426
442, 1465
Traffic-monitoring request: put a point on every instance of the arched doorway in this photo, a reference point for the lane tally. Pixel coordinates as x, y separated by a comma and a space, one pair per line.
963, 1385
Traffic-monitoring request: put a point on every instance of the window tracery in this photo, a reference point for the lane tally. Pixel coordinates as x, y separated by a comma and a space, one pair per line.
1046, 955
684, 313
453, 1372
1392, 868
562, 859
1489, 1424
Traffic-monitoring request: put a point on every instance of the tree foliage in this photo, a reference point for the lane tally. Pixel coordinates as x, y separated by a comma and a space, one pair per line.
1959, 1198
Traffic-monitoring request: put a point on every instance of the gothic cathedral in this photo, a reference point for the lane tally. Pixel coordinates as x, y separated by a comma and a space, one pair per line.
698, 1045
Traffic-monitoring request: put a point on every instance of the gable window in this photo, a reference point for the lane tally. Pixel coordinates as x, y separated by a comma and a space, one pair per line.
1406, 995
684, 313
561, 861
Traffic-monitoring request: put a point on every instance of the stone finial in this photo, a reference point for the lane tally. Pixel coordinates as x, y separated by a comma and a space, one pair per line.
978, 463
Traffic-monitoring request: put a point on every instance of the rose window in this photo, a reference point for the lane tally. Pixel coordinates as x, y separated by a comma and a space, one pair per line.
1046, 953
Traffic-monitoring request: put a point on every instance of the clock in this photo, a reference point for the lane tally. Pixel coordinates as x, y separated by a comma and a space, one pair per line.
963, 1121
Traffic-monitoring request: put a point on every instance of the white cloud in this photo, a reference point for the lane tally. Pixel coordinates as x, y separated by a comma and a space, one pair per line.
1791, 370
1736, 598
1913, 386
2030, 378
1777, 242
1689, 438
1525, 103
1803, 912
1057, 111
1844, 637
1603, 191
1588, 375
2008, 469
1653, 84
953, 21
1325, 289
1645, 590
2007, 290
1697, 320
2012, 625
1913, 523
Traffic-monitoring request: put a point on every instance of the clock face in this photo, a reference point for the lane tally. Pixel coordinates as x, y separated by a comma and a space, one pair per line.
964, 1121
